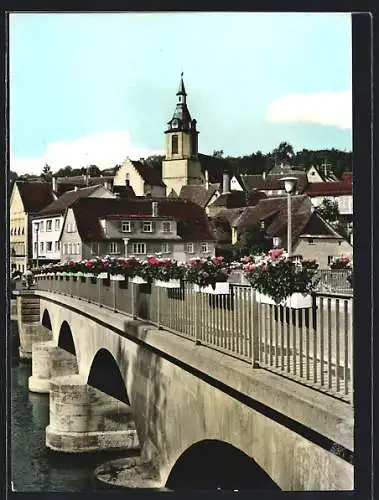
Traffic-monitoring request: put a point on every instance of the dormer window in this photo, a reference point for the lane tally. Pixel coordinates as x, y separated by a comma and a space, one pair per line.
125, 226
147, 227
174, 124
166, 227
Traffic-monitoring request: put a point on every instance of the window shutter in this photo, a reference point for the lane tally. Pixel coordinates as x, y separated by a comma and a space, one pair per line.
153, 226
132, 228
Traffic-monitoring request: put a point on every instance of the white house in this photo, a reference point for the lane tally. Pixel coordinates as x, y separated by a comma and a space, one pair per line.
47, 224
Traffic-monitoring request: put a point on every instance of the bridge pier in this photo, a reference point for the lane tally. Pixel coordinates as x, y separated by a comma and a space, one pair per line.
84, 419
29, 326
49, 361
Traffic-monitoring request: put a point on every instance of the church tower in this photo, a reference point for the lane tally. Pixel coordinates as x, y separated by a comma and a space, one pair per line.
181, 165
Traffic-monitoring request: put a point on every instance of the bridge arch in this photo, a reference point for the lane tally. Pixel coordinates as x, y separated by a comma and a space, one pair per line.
212, 464
65, 338
105, 375
46, 321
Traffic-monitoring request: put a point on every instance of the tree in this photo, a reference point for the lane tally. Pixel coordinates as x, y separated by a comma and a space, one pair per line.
329, 210
64, 172
284, 153
46, 174
218, 153
251, 241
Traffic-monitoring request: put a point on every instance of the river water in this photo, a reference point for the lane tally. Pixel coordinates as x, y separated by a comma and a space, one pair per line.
33, 466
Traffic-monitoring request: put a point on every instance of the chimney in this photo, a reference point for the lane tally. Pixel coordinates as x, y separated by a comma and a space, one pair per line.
154, 208
264, 175
142, 160
225, 183
106, 185
206, 180
54, 182
76, 188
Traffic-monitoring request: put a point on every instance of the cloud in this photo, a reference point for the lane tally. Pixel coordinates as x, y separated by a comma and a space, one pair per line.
323, 108
105, 150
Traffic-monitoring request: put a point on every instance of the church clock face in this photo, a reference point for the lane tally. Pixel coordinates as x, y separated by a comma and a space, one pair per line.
174, 124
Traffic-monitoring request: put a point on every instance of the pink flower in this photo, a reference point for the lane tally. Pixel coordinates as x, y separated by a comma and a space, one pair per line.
246, 259
275, 253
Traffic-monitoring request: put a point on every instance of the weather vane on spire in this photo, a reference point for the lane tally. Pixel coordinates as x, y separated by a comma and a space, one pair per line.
181, 74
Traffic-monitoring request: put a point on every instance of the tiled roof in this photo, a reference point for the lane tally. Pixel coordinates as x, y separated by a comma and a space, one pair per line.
329, 188
35, 195
229, 215
198, 194
148, 173
66, 200
124, 191
273, 182
234, 199
193, 224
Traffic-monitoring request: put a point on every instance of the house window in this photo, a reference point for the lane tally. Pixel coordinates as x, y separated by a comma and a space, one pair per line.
22, 231
310, 241
49, 246
49, 225
77, 248
125, 226
41, 226
71, 227
35, 247
69, 248
57, 246
113, 247
165, 248
57, 224
166, 227
204, 247
189, 248
330, 258
174, 145
127, 180
139, 248
94, 248
147, 227
65, 248
41, 246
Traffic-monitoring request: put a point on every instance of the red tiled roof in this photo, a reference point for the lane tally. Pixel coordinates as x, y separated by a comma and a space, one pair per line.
329, 188
193, 224
272, 182
198, 194
66, 200
35, 195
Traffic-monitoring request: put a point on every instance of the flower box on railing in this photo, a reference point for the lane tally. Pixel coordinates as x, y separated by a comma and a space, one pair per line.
220, 288
117, 277
89, 275
295, 301
138, 280
167, 284
102, 276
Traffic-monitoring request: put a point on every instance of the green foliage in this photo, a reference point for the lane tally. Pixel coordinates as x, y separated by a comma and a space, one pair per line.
251, 242
46, 174
278, 276
329, 210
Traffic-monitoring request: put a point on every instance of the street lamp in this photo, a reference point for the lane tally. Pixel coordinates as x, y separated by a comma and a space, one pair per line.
289, 186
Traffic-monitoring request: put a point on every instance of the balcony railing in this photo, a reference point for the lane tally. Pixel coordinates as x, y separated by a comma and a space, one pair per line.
312, 346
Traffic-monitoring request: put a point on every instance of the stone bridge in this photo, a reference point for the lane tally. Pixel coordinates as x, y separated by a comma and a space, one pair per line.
195, 410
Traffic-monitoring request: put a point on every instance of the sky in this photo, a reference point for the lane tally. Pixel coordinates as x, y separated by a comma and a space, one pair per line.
95, 88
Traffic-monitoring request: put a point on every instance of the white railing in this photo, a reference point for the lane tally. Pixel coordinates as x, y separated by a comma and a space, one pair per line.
312, 346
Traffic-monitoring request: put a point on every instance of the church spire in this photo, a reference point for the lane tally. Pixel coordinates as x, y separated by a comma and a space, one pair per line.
181, 89
181, 119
